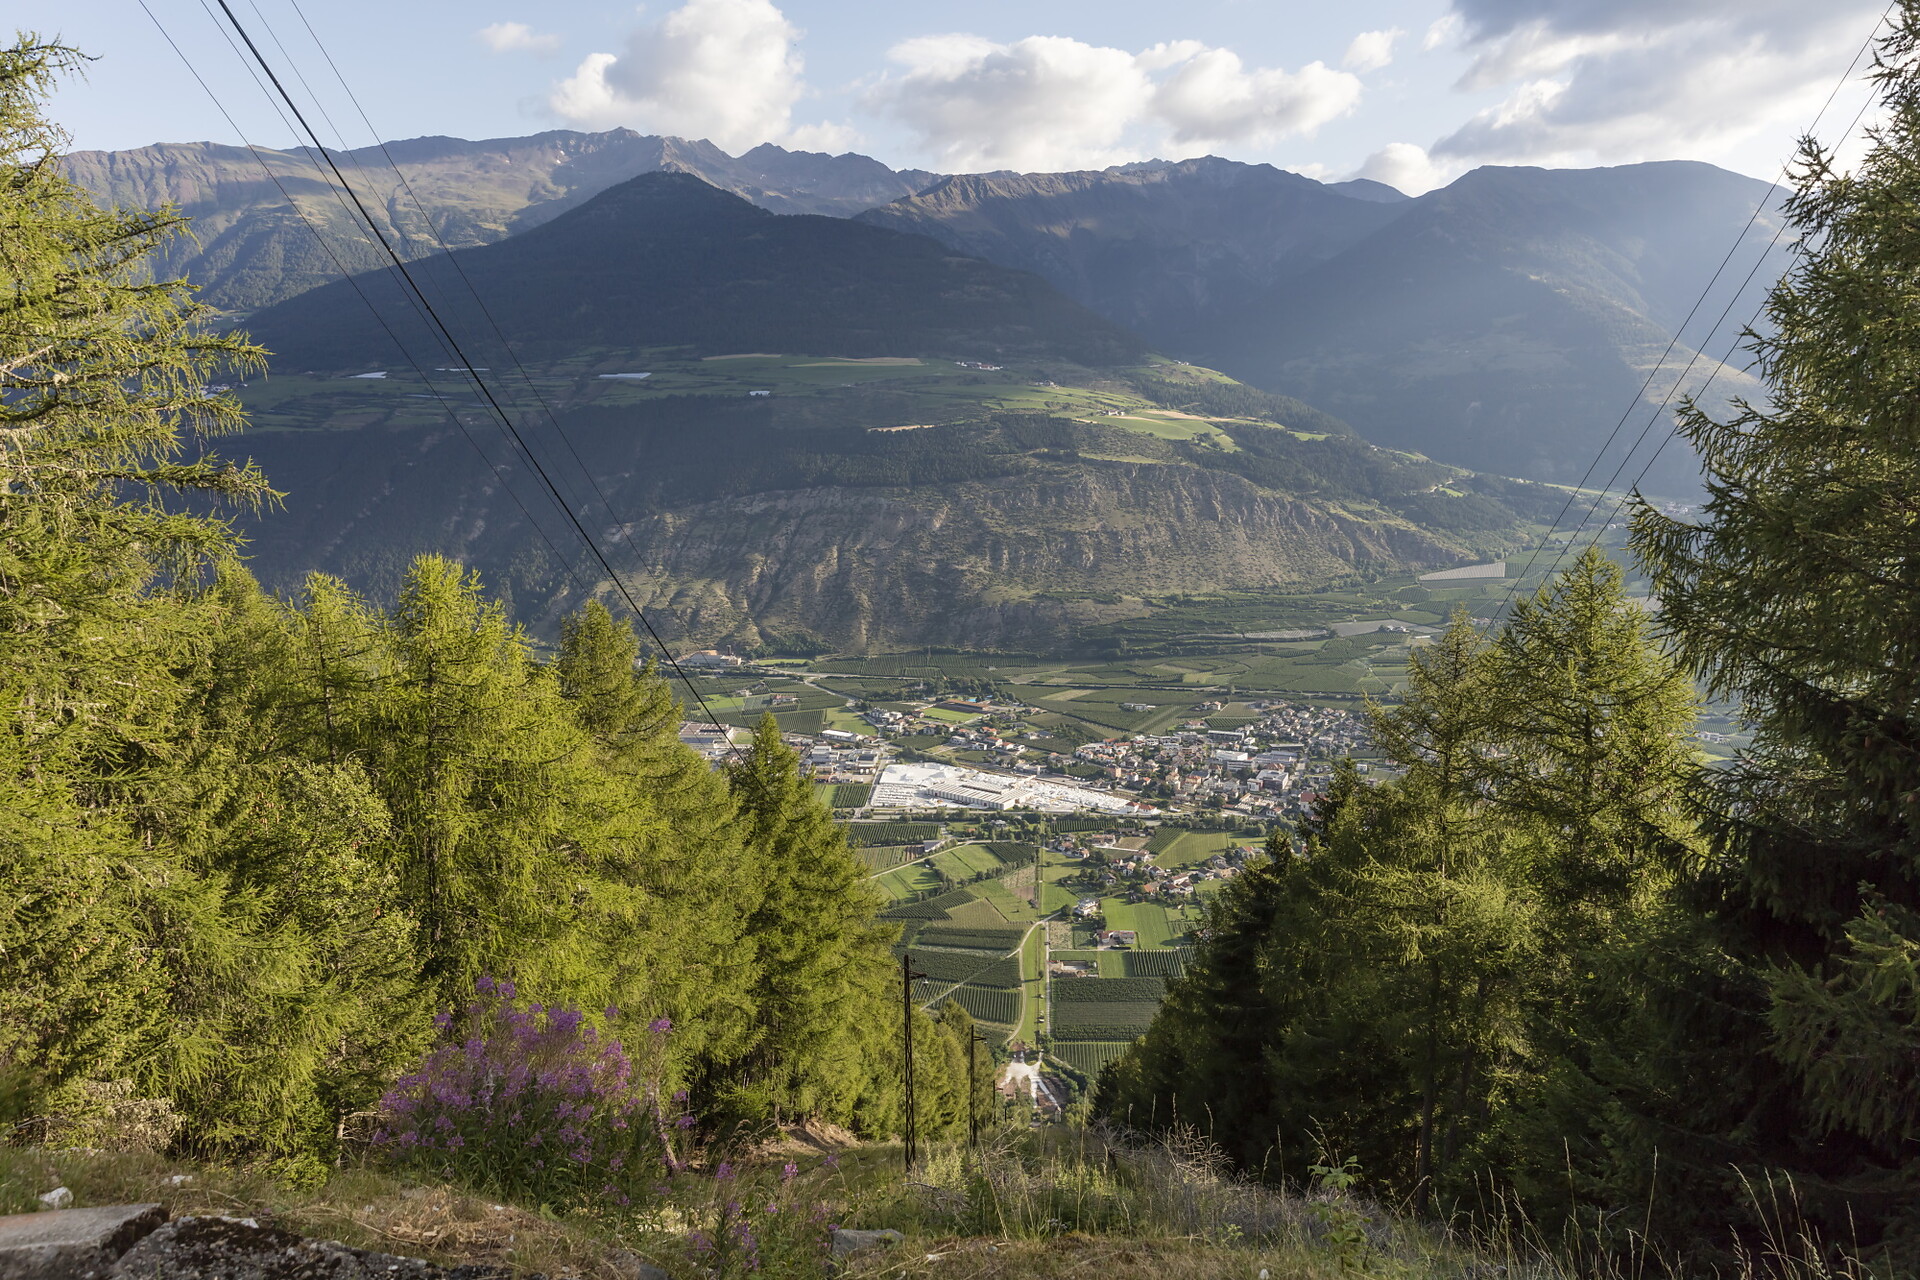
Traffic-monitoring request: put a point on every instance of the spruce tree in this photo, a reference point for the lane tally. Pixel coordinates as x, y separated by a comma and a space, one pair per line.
1797, 594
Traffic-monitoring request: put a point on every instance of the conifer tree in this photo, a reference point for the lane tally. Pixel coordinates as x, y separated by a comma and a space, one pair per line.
103, 371
1796, 595
683, 844
813, 932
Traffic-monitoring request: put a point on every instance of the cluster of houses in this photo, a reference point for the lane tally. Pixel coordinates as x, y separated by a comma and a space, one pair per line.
1135, 876
1267, 768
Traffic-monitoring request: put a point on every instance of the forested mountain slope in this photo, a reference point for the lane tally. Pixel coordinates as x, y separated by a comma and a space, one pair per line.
1158, 247
667, 260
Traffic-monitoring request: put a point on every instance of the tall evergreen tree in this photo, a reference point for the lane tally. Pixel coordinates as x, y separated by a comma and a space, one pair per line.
1798, 594
1401, 991
813, 932
103, 373
683, 845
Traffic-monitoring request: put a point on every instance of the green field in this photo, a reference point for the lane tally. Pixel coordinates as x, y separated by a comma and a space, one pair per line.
966, 860
1157, 925
1194, 847
1152, 964
978, 914
872, 833
850, 795
965, 966
1088, 1056
1009, 902
903, 883
988, 1004
1108, 990
885, 856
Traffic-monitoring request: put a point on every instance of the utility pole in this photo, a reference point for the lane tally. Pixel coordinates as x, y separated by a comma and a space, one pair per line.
907, 975
973, 1089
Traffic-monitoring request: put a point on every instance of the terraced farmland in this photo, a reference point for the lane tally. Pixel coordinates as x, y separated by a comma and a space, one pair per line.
1088, 1056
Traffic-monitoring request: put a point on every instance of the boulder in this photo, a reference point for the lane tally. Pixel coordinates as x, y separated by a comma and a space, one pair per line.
242, 1249
845, 1243
72, 1244
632, 1266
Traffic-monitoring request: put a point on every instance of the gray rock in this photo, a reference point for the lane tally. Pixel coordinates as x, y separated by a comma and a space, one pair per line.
239, 1249
846, 1243
634, 1267
72, 1244
58, 1198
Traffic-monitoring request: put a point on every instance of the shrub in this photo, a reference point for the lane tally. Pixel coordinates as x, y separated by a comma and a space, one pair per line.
534, 1103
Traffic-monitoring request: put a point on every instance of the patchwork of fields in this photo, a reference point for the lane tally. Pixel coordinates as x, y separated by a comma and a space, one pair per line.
982, 945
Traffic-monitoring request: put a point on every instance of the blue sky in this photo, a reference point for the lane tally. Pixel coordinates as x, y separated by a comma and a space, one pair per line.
1409, 91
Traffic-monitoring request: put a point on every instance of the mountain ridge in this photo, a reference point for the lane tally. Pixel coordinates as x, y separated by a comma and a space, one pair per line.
667, 259
252, 251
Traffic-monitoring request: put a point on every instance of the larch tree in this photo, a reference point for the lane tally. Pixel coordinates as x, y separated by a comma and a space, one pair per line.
1797, 594
105, 383
814, 933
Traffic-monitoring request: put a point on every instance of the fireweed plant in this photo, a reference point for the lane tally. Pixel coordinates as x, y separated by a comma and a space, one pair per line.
533, 1102
756, 1225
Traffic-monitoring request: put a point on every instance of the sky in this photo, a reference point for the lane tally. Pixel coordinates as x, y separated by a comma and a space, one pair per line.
1408, 92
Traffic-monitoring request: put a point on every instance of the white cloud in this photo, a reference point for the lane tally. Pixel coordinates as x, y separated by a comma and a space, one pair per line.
1213, 98
1371, 50
516, 37
1050, 102
1630, 80
1039, 103
725, 70
1444, 28
1407, 167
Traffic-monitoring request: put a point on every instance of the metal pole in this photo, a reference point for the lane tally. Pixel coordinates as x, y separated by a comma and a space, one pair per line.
906, 1047
973, 1088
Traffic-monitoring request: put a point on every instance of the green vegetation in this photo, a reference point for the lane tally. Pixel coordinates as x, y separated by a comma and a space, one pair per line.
867, 834
252, 845
851, 795
1108, 990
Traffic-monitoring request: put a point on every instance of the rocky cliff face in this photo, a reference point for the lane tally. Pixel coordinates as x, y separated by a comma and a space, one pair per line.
883, 568
1009, 561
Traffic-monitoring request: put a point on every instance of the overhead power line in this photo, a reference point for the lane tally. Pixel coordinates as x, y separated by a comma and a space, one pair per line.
424, 306
327, 248
1680, 380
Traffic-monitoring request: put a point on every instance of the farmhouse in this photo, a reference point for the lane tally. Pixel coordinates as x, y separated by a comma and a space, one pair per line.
1109, 938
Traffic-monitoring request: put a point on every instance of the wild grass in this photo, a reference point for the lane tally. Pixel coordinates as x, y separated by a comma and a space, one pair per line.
1047, 1204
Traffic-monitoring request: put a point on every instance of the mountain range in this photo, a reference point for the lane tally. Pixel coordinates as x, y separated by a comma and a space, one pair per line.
926, 402
667, 260
250, 249
808, 429
1504, 322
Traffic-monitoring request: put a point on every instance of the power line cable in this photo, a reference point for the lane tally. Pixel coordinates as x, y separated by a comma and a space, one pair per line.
1712, 375
466, 363
1759, 207
352, 280
308, 154
620, 526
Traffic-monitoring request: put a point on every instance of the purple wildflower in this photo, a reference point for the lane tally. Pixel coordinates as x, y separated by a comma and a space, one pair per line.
723, 1172
789, 1171
660, 1025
